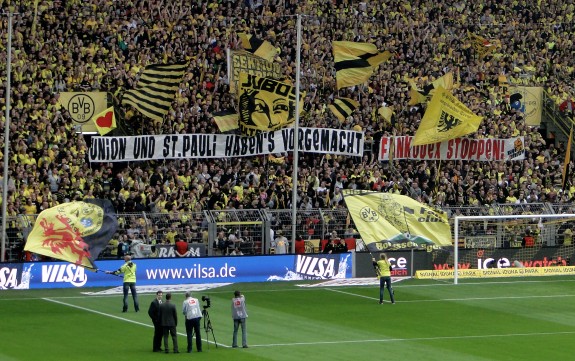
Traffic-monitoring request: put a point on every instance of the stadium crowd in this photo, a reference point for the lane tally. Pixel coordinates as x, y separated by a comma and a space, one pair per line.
102, 45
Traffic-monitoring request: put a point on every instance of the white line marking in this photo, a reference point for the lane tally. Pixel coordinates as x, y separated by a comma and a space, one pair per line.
455, 299
118, 318
418, 339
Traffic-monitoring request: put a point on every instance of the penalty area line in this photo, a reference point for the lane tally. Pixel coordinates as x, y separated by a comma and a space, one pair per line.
118, 317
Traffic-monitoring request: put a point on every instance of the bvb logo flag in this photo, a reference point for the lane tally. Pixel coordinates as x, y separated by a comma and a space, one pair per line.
388, 221
265, 104
83, 106
76, 232
445, 118
356, 62
105, 121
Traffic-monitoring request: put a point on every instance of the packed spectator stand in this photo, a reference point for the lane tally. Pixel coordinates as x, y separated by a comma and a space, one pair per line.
103, 45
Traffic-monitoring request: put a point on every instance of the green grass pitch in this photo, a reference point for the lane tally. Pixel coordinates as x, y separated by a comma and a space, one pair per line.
489, 319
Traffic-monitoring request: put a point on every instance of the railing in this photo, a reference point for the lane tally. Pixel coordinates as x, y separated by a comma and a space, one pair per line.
255, 226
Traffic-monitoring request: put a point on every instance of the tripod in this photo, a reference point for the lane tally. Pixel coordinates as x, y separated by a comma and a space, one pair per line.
208, 327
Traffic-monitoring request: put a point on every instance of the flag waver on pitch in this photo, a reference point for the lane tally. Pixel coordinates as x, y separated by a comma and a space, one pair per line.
445, 118
394, 221
355, 62
262, 48
76, 232
156, 89
105, 121
342, 108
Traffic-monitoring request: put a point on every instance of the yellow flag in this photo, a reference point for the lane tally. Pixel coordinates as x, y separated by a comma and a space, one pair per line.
394, 221
355, 62
445, 118
385, 112
105, 121
83, 106
482, 46
262, 48
226, 120
342, 108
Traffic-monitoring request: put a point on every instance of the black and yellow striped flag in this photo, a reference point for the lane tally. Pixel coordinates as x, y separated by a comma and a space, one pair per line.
226, 120
355, 62
262, 48
342, 108
156, 89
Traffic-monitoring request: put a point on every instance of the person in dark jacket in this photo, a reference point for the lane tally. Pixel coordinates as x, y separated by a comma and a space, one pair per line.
169, 320
154, 313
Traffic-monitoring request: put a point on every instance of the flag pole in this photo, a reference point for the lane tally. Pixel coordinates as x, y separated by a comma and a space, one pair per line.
6, 136
296, 137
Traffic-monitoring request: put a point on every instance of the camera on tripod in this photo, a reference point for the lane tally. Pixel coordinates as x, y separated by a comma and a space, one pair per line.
207, 300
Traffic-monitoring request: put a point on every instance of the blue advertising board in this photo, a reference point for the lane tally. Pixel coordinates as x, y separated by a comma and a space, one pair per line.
172, 271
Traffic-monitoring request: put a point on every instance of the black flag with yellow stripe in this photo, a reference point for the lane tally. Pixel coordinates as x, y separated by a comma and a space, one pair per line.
156, 89
342, 108
262, 48
355, 62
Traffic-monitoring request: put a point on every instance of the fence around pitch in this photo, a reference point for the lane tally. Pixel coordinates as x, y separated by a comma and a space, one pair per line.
256, 225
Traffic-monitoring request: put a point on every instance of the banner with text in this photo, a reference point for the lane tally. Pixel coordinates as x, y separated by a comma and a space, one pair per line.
244, 62
185, 146
486, 150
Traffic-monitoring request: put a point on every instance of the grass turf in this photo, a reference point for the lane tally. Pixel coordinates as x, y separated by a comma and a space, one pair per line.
494, 319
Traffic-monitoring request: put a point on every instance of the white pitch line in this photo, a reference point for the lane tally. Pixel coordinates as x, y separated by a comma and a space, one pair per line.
538, 334
454, 299
117, 317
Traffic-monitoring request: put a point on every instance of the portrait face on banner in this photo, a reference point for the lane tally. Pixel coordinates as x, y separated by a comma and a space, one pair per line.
265, 104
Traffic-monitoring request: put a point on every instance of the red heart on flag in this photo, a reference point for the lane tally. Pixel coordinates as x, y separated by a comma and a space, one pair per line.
105, 121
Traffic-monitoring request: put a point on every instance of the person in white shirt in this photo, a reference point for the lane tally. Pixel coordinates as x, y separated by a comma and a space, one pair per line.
193, 313
239, 315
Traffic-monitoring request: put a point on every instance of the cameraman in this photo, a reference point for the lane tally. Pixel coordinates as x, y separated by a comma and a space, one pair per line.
193, 314
129, 271
239, 314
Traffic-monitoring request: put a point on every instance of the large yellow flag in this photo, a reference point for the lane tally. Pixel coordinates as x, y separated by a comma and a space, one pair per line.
393, 221
105, 121
76, 232
265, 104
355, 62
83, 106
445, 118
